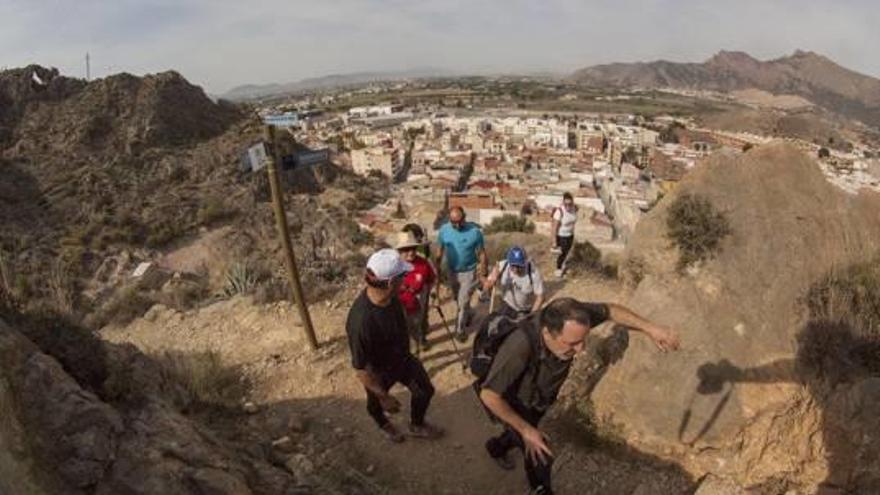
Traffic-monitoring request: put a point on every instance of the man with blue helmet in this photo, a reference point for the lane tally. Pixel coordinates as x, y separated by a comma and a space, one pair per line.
521, 284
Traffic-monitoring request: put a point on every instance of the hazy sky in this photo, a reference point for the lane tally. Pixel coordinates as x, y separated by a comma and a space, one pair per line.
219, 44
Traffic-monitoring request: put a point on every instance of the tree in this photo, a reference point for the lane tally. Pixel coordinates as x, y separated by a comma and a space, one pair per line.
670, 134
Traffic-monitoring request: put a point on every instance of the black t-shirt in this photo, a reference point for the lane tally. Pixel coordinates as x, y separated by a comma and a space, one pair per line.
525, 373
377, 335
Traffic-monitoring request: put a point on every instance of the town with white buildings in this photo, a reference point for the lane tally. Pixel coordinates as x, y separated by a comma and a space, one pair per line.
513, 162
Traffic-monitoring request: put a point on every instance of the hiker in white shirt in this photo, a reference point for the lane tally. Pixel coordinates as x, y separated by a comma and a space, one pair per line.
520, 282
564, 220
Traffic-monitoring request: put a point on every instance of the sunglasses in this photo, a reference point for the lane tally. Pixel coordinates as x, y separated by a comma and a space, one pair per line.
407, 249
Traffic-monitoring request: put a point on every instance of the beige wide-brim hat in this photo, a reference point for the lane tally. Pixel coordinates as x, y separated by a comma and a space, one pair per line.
401, 240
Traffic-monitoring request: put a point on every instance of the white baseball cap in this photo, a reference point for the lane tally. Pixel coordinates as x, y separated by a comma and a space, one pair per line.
386, 264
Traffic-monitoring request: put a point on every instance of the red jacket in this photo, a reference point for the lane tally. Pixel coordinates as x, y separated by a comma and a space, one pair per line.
419, 279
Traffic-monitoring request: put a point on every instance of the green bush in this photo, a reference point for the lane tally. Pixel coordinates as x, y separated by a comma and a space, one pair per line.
510, 223
696, 228
585, 258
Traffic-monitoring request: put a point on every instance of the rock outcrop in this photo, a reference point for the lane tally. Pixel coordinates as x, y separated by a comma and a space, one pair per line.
59, 437
739, 399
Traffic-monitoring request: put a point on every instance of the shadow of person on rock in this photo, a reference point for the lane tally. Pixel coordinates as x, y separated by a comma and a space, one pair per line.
840, 367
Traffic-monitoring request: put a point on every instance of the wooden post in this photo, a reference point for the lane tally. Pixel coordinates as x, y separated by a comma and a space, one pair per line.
281, 220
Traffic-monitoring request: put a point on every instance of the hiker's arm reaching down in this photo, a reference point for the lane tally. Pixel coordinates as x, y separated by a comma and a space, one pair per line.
539, 301
665, 338
492, 279
535, 443
483, 264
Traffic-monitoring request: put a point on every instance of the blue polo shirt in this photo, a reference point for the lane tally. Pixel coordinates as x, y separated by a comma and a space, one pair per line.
461, 246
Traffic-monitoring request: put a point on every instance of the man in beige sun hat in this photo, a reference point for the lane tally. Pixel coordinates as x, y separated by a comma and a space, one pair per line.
416, 286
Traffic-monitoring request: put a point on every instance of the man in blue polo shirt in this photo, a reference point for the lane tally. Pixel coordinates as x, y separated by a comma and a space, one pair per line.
462, 243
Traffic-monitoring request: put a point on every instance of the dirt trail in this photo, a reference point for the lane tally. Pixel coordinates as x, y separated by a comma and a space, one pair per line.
266, 343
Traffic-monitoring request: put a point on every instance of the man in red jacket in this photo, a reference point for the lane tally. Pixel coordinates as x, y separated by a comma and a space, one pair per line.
416, 286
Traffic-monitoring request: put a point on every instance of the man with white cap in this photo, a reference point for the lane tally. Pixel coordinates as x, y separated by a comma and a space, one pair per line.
379, 343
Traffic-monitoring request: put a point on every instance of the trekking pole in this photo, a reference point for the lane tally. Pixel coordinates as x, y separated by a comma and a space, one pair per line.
452, 338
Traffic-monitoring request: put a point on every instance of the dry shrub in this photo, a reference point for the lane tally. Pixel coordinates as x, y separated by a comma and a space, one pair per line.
633, 271
207, 382
183, 294
214, 209
122, 308
696, 228
585, 258
842, 339
61, 287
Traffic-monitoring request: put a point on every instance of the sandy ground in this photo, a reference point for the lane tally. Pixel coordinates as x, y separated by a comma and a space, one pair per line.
267, 344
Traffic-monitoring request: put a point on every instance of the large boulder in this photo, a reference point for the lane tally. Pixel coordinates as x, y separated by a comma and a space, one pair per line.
732, 401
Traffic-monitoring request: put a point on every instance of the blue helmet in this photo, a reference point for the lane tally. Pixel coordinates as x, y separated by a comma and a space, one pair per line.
516, 256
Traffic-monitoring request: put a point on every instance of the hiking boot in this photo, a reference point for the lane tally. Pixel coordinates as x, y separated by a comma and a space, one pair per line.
392, 433
461, 336
540, 491
426, 430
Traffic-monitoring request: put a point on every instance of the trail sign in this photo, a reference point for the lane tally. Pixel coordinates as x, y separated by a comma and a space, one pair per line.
255, 158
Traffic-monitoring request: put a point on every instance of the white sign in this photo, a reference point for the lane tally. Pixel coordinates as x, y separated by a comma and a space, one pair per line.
257, 156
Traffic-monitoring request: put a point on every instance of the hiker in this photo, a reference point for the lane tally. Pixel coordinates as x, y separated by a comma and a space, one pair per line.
531, 363
415, 288
521, 284
380, 355
462, 243
419, 233
562, 231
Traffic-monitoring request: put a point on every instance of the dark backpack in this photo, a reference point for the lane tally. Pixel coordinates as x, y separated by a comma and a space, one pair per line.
493, 331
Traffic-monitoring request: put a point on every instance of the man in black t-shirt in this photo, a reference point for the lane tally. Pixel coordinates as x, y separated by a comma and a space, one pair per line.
530, 367
379, 343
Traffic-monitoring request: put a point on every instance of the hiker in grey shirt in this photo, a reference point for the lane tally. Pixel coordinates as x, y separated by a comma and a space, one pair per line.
521, 284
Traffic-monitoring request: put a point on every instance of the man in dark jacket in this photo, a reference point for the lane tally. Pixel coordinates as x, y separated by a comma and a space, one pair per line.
530, 367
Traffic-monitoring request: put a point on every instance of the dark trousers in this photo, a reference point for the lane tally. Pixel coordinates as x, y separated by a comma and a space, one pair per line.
413, 376
564, 244
538, 473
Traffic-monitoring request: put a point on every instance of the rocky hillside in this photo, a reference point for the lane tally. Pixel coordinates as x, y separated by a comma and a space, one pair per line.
82, 416
100, 176
777, 366
804, 74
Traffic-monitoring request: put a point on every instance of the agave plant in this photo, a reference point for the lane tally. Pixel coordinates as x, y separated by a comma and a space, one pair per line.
240, 279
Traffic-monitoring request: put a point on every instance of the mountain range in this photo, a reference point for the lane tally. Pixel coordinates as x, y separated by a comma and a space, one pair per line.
251, 91
805, 74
